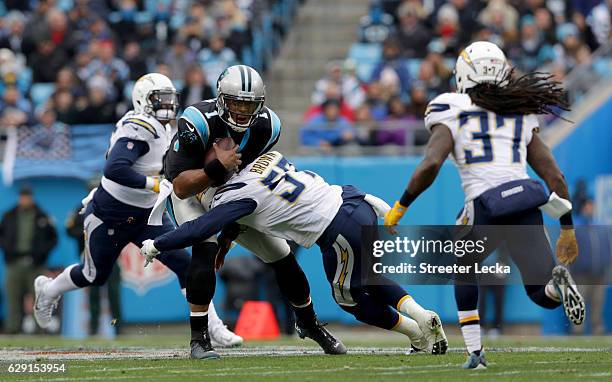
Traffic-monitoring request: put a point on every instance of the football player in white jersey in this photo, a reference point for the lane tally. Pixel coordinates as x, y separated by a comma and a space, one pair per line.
270, 196
117, 212
490, 127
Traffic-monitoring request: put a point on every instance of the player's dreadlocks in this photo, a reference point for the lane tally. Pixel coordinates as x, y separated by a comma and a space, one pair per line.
531, 93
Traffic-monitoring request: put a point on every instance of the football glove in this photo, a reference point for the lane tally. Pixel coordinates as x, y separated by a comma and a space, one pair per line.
394, 215
152, 183
149, 251
567, 247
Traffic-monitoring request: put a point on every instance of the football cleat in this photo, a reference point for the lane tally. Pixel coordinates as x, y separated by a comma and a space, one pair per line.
476, 361
573, 302
434, 333
221, 336
44, 306
202, 348
318, 333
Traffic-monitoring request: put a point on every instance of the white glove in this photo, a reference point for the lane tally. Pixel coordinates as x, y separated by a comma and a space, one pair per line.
149, 251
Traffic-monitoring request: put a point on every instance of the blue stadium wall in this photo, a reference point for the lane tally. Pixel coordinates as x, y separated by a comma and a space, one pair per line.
586, 153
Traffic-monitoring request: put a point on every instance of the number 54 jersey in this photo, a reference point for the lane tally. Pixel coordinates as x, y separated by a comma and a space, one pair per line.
293, 205
489, 149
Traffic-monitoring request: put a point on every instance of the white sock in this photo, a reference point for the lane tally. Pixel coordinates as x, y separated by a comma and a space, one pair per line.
198, 314
410, 307
408, 327
470, 328
61, 284
551, 292
213, 318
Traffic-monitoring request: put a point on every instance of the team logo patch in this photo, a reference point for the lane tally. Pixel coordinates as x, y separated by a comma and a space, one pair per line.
130, 145
136, 276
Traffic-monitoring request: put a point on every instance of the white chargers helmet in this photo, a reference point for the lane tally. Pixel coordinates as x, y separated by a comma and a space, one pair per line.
155, 95
480, 62
240, 96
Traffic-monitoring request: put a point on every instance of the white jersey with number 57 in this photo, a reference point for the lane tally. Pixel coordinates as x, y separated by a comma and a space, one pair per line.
293, 205
489, 149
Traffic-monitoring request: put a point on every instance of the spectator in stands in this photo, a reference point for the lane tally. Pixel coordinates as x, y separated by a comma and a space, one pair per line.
418, 100
15, 109
81, 63
545, 23
600, 22
434, 84
440, 67
197, 26
36, 28
63, 104
46, 61
351, 91
412, 33
391, 71
100, 106
135, 60
395, 129
448, 27
27, 236
376, 26
328, 129
467, 13
123, 20
106, 63
178, 58
377, 96
67, 80
60, 32
502, 19
569, 47
333, 93
13, 71
196, 87
216, 58
532, 51
12, 38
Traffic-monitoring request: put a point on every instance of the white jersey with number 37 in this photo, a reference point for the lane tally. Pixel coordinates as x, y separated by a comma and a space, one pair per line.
293, 205
489, 149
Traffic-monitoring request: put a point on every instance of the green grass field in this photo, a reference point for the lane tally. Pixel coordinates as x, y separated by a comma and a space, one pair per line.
371, 357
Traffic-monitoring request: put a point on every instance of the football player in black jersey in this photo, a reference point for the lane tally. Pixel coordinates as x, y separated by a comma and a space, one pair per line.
237, 112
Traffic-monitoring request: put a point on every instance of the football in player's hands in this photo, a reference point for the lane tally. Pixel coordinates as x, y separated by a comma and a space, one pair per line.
225, 150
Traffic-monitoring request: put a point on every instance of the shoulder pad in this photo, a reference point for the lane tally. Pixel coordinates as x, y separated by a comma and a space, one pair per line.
137, 127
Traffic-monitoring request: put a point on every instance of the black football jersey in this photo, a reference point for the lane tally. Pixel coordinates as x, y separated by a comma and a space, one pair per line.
200, 126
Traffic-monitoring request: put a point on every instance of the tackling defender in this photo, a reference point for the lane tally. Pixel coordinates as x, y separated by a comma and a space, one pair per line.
270, 196
118, 211
238, 112
490, 128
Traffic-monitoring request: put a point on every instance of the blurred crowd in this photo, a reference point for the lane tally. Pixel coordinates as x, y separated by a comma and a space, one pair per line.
419, 41
74, 61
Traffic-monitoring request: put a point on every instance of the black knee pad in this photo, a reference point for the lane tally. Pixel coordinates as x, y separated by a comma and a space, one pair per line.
538, 295
291, 280
201, 279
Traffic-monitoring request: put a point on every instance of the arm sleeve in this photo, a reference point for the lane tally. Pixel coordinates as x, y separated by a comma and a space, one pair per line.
118, 167
206, 225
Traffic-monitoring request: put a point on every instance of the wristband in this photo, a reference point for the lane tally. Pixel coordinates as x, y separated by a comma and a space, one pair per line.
216, 171
566, 220
407, 199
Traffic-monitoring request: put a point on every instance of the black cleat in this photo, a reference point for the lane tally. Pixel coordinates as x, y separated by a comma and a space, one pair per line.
322, 336
202, 349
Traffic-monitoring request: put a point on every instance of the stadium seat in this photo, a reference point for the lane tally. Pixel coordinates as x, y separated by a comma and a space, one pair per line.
365, 52
41, 92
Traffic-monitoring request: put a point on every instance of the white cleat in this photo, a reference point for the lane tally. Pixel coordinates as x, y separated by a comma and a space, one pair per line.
222, 337
573, 302
434, 333
44, 306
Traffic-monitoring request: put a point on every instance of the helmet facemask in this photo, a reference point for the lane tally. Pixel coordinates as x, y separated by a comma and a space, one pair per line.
162, 104
239, 112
